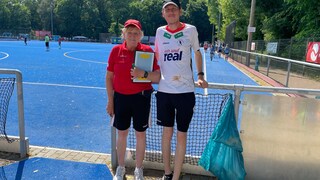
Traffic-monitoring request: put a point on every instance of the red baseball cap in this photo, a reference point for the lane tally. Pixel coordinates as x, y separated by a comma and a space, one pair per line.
133, 22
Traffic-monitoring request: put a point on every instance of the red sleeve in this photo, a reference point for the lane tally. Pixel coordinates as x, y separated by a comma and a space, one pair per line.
112, 58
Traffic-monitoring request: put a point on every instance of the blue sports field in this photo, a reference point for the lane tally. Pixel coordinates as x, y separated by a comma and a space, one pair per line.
65, 96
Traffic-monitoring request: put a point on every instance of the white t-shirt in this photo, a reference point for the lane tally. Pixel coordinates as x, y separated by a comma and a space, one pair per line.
173, 50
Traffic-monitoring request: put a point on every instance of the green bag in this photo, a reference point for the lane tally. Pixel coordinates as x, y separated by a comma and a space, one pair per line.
222, 155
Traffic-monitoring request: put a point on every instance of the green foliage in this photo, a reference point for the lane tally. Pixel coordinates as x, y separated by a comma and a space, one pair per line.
234, 10
82, 17
306, 16
14, 15
115, 28
196, 14
274, 19
230, 10
277, 26
148, 12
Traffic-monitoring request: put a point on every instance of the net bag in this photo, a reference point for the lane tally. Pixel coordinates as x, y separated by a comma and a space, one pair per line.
222, 155
6, 89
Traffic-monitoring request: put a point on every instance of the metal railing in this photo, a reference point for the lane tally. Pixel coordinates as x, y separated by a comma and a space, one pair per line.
239, 55
18, 74
238, 89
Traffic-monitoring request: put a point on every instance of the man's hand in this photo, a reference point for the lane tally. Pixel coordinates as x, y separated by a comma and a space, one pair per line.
202, 83
136, 72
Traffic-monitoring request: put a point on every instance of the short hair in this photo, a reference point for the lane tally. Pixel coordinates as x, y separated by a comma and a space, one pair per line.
124, 30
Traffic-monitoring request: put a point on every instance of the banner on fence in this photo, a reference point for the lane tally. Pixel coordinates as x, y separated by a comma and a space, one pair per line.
253, 46
272, 47
313, 54
42, 33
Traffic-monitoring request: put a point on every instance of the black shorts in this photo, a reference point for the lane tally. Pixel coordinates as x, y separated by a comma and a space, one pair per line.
175, 106
47, 44
135, 106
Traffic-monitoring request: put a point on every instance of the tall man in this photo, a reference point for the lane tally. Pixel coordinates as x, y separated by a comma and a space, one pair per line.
175, 96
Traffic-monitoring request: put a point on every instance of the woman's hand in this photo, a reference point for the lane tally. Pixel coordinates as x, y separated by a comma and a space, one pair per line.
110, 108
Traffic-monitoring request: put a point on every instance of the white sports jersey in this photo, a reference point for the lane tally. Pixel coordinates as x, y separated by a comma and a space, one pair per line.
174, 56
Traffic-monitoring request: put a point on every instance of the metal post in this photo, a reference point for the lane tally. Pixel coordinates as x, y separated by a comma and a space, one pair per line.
251, 21
268, 66
23, 148
241, 58
204, 64
237, 94
288, 73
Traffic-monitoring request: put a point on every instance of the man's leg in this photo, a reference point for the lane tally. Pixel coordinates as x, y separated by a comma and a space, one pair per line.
180, 153
121, 146
166, 148
140, 148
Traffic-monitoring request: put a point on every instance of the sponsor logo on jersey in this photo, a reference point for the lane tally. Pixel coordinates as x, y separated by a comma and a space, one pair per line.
167, 35
173, 55
180, 34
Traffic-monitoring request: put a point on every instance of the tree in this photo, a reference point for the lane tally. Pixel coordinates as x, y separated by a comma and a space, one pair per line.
306, 17
223, 12
196, 14
276, 26
5, 14
14, 15
44, 10
273, 18
235, 10
149, 14
118, 11
35, 18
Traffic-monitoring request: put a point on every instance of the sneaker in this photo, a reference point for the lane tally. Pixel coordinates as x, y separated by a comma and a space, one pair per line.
119, 173
167, 177
138, 174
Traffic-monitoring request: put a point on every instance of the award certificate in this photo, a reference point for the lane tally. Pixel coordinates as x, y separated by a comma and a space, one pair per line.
143, 60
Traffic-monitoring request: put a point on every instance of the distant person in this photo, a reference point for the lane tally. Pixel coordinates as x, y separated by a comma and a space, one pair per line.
212, 51
205, 47
226, 52
25, 40
59, 42
47, 40
128, 100
175, 96
220, 50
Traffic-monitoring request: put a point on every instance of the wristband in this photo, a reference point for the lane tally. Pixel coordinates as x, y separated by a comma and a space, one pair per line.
145, 74
200, 74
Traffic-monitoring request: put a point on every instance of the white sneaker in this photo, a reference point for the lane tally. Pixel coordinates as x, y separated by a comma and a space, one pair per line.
119, 173
138, 174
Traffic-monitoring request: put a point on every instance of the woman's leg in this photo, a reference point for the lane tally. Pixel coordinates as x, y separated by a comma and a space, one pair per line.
140, 148
121, 146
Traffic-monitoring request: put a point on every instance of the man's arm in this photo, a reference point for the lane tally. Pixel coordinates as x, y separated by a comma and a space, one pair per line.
201, 82
154, 76
198, 57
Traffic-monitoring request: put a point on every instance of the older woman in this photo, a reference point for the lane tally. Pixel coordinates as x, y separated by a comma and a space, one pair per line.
127, 99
